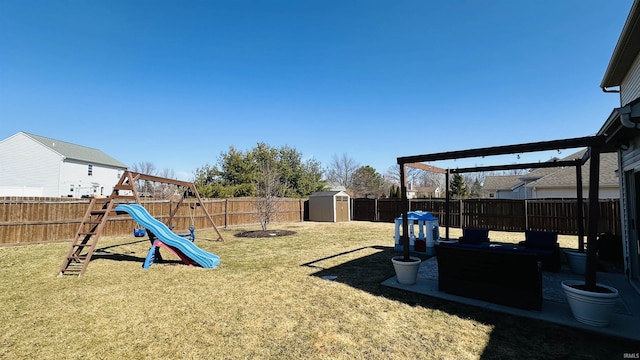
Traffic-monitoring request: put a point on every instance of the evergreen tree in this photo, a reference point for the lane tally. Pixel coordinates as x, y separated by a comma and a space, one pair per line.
459, 189
367, 182
475, 189
238, 173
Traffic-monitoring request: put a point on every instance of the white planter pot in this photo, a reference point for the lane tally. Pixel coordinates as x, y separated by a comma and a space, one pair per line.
406, 271
591, 308
577, 261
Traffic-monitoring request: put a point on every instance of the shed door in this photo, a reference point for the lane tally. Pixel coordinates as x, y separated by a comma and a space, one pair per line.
342, 208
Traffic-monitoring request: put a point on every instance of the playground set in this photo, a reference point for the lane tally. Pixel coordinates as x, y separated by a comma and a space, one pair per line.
125, 200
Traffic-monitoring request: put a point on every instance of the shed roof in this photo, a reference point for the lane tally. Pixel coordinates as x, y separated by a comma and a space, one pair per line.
327, 193
77, 152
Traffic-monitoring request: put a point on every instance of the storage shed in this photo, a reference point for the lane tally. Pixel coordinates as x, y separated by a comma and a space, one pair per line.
331, 206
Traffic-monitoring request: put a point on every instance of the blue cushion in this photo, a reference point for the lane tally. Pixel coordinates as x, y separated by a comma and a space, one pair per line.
540, 239
474, 236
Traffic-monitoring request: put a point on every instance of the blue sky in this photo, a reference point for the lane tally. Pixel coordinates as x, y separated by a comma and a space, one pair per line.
175, 83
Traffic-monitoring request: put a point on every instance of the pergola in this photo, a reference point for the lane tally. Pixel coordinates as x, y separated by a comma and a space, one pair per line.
595, 144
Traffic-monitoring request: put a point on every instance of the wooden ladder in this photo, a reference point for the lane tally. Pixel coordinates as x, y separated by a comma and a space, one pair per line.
92, 225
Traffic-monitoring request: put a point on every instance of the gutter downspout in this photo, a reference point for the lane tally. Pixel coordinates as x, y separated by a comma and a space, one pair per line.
604, 89
625, 118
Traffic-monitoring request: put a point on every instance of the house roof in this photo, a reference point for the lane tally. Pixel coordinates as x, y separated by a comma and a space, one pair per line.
500, 182
566, 176
625, 51
424, 189
77, 152
334, 186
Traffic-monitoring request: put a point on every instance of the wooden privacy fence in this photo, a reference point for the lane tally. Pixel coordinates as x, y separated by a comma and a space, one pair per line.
33, 220
497, 214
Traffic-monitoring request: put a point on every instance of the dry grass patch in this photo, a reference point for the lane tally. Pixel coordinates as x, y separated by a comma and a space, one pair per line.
268, 299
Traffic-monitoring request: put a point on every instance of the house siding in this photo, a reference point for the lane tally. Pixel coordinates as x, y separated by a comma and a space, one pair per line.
630, 86
30, 168
632, 155
506, 194
75, 176
28, 164
603, 193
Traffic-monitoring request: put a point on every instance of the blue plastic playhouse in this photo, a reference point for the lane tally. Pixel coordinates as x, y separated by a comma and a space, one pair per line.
428, 232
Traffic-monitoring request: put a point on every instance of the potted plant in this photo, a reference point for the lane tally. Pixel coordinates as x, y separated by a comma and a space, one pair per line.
591, 303
591, 306
405, 266
577, 260
406, 269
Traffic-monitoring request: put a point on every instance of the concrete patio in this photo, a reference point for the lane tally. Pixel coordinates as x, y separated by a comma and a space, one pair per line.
625, 321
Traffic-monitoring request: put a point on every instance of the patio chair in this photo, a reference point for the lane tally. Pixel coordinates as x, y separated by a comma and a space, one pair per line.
472, 236
545, 244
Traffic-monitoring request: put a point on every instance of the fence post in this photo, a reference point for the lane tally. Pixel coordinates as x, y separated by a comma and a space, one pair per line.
301, 209
226, 212
376, 215
526, 214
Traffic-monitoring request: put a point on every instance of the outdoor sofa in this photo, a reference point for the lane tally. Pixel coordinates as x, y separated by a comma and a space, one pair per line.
506, 275
545, 245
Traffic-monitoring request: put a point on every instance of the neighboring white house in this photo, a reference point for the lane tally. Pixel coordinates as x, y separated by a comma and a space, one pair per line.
560, 183
622, 133
422, 192
555, 183
501, 187
32, 165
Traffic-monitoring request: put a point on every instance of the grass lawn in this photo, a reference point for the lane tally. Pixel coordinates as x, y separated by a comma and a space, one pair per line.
268, 300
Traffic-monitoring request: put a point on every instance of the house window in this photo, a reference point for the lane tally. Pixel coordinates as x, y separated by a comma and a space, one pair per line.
90, 170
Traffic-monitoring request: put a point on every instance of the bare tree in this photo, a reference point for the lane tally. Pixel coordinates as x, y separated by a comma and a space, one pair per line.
154, 189
416, 177
165, 191
145, 168
144, 187
431, 178
270, 191
393, 175
341, 170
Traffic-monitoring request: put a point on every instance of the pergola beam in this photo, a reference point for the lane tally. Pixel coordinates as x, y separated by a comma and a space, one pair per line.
587, 141
426, 167
538, 165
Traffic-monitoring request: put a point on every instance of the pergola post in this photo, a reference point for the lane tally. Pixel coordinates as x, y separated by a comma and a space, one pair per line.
594, 215
446, 205
580, 205
405, 211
